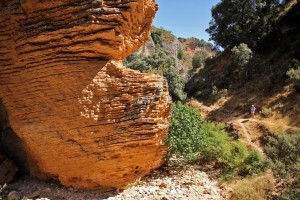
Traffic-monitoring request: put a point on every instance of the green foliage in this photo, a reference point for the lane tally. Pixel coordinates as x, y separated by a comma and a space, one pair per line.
180, 54
294, 70
185, 133
215, 141
199, 59
266, 112
241, 57
192, 137
235, 157
160, 34
156, 37
283, 153
294, 73
241, 21
242, 54
160, 63
139, 64
196, 43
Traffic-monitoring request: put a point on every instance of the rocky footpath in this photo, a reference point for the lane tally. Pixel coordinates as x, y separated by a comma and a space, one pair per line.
69, 109
187, 182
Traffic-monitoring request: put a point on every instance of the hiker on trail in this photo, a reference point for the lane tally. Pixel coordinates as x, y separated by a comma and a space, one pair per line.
252, 110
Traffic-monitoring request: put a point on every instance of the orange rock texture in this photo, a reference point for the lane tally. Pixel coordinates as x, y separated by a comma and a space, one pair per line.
67, 101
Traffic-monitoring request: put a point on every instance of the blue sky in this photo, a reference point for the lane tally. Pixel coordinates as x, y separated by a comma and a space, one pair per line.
188, 18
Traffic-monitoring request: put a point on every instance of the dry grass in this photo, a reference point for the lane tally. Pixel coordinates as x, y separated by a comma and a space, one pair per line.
204, 110
252, 188
279, 124
194, 103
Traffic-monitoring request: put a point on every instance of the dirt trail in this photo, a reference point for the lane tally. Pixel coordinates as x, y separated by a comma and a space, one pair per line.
250, 129
247, 133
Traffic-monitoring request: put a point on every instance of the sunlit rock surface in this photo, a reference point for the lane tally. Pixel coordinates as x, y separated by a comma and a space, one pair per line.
69, 109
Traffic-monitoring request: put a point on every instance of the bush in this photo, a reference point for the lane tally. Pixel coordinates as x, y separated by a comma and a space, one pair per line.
234, 156
242, 54
283, 153
215, 141
294, 73
185, 132
266, 112
180, 54
190, 136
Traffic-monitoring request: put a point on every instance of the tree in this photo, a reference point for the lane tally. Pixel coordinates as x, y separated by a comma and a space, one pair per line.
241, 57
241, 21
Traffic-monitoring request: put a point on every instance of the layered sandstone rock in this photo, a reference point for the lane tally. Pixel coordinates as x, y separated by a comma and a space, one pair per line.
69, 108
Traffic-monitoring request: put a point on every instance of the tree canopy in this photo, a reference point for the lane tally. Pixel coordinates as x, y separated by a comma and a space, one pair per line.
241, 21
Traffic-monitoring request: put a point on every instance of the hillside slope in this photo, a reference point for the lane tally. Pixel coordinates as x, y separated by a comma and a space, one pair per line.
229, 90
182, 50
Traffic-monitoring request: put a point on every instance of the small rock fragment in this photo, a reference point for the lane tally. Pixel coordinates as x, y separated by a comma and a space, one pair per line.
13, 195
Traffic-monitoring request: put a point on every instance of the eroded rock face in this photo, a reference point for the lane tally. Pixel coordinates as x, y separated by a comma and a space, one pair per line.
67, 101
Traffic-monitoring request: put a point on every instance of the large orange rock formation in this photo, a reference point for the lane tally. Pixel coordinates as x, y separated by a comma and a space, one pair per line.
69, 109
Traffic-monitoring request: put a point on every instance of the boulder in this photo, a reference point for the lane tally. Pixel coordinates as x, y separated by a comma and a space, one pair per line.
69, 109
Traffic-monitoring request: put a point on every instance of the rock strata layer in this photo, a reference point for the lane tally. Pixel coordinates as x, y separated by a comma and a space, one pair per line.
69, 109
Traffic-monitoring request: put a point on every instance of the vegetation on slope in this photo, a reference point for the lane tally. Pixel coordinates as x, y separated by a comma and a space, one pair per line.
261, 56
160, 35
194, 138
284, 158
262, 71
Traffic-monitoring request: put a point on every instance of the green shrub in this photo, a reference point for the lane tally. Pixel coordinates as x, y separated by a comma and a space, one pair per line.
160, 35
266, 112
185, 133
239, 160
294, 74
190, 136
234, 156
180, 54
242, 54
283, 153
215, 141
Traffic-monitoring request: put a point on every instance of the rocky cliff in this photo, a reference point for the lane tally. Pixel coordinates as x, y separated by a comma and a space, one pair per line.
69, 109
